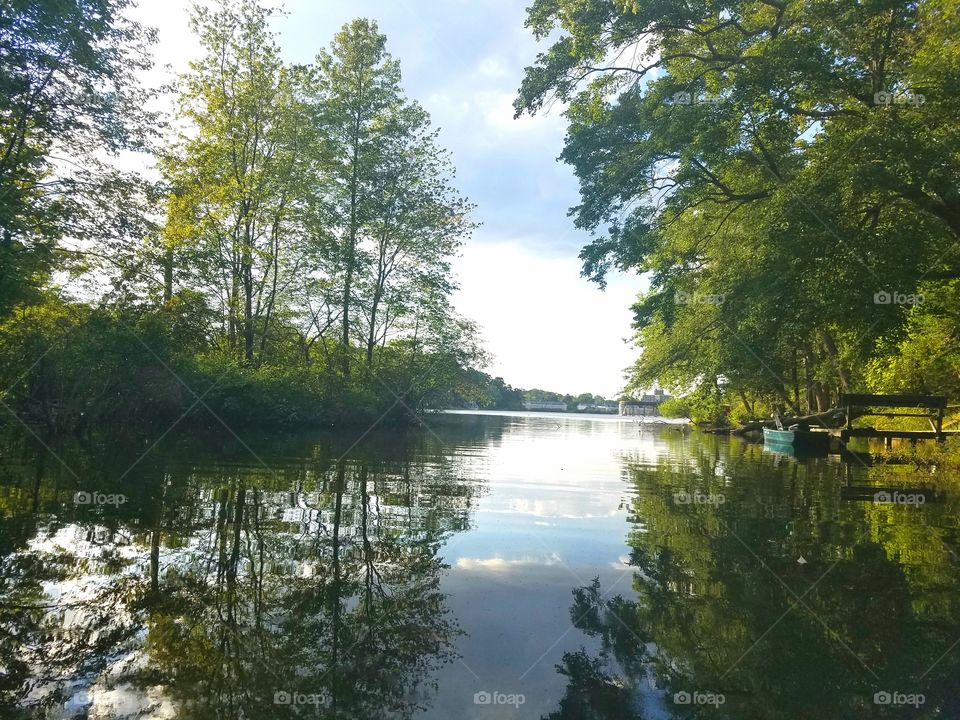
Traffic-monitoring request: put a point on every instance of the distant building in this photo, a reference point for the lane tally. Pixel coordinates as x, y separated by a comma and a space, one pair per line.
549, 405
603, 408
647, 405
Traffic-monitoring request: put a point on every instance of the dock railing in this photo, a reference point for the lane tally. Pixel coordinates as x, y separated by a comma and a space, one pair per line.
935, 405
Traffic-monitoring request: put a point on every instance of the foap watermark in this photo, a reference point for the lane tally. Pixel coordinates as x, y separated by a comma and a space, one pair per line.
698, 498
682, 97
698, 697
286, 697
907, 97
885, 297
498, 698
896, 497
98, 498
698, 298
887, 697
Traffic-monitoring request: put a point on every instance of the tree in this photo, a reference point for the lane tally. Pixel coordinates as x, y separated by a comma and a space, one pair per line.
386, 219
358, 93
69, 98
297, 200
791, 160
235, 177
418, 222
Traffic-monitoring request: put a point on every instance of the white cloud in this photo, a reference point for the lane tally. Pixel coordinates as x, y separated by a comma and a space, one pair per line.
547, 326
493, 67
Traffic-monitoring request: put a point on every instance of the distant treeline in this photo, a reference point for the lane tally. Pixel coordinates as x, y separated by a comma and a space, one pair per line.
477, 388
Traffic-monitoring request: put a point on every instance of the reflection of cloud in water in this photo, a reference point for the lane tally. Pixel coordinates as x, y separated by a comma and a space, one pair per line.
562, 508
499, 564
120, 701
563, 468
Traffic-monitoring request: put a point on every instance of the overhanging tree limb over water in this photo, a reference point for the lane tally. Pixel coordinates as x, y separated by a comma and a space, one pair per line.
785, 173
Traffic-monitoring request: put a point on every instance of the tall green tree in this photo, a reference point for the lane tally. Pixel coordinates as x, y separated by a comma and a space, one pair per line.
235, 176
387, 218
418, 222
358, 95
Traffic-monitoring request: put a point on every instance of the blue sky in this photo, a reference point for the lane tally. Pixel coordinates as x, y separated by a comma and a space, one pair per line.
519, 275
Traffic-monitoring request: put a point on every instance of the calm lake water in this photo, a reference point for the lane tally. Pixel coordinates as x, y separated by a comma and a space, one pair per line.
518, 565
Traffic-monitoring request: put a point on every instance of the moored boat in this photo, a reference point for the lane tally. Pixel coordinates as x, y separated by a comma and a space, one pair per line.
797, 439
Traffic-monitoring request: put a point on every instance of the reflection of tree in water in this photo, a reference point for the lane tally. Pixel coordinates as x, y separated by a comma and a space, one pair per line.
226, 594
602, 687
711, 615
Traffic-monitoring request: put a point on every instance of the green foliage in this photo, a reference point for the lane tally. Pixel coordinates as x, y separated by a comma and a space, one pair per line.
537, 394
302, 271
70, 365
67, 82
676, 407
771, 174
499, 394
925, 357
706, 405
387, 219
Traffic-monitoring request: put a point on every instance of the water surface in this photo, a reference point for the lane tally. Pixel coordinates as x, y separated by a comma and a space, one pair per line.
520, 565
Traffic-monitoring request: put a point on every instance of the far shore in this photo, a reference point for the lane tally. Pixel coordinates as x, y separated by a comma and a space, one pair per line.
632, 419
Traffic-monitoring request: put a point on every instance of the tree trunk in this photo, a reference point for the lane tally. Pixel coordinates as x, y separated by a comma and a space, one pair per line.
232, 311
808, 379
246, 270
345, 337
832, 418
268, 315
830, 346
247, 307
354, 229
822, 395
371, 336
168, 274
796, 383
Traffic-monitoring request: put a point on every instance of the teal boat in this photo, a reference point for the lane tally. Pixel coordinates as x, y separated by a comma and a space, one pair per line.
797, 439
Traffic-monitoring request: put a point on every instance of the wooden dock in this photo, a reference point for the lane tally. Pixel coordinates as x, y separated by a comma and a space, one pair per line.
847, 433
862, 404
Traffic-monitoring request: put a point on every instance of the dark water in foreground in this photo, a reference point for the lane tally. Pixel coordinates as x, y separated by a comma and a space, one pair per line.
522, 566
